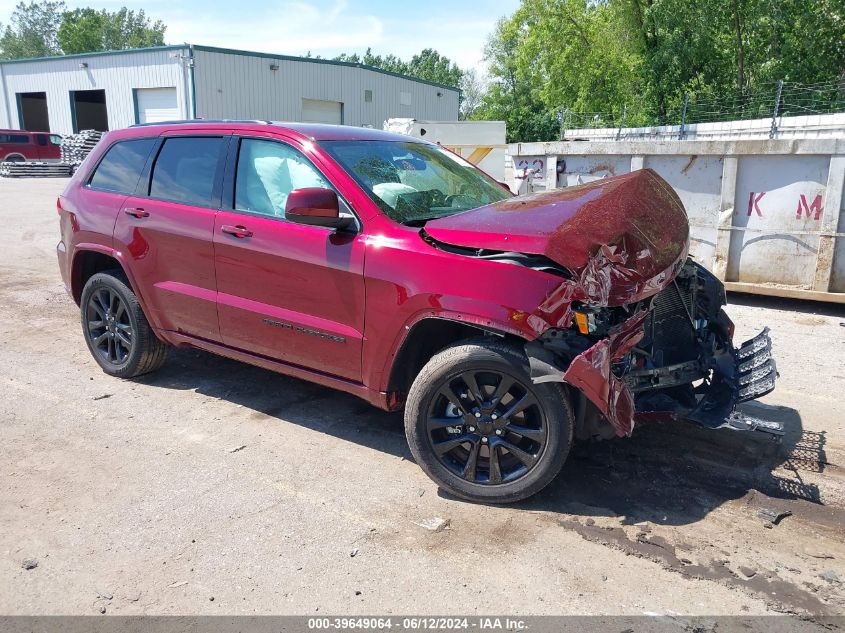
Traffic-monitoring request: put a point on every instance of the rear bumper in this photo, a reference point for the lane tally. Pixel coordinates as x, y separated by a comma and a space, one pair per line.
61, 253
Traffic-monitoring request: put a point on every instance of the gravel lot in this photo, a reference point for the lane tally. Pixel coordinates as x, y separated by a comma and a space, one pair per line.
213, 487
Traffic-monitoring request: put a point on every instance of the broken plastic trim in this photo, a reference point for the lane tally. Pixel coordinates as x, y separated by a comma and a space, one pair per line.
535, 262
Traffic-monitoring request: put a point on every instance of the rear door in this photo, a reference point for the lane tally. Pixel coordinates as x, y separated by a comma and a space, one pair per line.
166, 230
286, 291
114, 178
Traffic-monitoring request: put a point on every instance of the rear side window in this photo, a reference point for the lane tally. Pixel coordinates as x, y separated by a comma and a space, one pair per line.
121, 167
185, 170
18, 139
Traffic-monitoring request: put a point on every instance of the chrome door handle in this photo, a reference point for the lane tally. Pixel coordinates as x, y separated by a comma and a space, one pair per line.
236, 231
137, 213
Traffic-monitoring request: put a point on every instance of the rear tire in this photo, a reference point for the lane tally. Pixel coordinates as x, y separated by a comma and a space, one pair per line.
115, 328
481, 429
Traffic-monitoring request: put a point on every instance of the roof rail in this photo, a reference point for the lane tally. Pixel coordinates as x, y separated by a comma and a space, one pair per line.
189, 121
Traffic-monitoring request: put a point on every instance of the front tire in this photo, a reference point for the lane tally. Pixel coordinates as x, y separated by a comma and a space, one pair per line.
481, 429
115, 328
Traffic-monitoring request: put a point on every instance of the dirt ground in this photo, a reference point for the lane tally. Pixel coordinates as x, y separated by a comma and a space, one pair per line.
213, 487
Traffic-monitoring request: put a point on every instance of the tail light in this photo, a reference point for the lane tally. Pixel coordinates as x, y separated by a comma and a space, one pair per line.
59, 206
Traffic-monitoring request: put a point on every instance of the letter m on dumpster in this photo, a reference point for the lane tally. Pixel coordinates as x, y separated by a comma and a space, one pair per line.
804, 208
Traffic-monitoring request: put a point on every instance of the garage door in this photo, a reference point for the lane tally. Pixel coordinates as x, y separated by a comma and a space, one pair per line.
316, 111
156, 104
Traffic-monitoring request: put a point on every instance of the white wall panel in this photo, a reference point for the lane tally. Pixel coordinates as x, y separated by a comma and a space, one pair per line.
117, 73
234, 85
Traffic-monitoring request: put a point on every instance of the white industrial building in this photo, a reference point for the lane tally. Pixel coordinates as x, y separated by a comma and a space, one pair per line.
111, 90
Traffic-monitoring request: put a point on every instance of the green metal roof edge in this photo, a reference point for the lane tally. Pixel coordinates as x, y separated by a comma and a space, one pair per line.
316, 60
124, 51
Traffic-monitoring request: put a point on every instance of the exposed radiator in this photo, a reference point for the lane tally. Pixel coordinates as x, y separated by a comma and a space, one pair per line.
673, 334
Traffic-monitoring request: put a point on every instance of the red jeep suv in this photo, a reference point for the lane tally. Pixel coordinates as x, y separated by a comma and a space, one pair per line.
387, 267
19, 145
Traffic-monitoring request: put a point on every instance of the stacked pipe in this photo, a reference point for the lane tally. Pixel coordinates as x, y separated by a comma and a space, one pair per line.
35, 169
77, 146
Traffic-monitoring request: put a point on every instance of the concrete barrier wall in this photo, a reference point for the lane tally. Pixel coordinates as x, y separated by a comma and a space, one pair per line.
765, 216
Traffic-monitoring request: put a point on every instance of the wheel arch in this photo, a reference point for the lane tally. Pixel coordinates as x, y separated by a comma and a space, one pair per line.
428, 336
90, 259
15, 157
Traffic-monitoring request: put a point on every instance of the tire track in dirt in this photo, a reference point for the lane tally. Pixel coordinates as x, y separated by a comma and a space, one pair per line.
778, 593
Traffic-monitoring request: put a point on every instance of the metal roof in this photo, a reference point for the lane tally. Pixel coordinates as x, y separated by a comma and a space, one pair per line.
230, 51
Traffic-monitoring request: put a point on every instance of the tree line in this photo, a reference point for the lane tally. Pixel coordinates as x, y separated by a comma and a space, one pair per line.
43, 29
636, 60
643, 56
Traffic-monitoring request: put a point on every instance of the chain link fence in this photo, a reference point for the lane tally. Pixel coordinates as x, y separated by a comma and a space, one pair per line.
773, 100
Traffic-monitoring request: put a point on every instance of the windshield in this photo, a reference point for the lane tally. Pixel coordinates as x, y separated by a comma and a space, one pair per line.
415, 182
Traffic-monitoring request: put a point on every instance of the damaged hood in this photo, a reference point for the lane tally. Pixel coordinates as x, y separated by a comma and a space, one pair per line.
622, 238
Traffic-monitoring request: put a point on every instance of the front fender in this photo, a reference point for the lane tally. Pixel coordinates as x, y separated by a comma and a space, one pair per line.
591, 372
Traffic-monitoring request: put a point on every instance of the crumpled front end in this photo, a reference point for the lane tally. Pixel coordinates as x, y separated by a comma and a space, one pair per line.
631, 322
670, 357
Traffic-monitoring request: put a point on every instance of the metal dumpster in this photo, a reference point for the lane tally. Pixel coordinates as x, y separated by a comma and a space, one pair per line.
766, 216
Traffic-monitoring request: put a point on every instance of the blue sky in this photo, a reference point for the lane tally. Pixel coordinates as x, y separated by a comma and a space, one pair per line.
458, 29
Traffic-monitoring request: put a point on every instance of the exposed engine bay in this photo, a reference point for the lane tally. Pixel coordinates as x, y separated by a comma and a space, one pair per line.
633, 325
668, 357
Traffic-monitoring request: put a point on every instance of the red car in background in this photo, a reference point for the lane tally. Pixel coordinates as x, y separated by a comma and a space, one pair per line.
392, 269
20, 145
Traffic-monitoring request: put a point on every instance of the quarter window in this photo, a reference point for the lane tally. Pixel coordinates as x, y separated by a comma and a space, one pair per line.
121, 167
20, 139
185, 170
267, 172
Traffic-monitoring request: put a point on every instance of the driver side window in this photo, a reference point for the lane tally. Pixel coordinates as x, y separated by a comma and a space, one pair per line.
267, 172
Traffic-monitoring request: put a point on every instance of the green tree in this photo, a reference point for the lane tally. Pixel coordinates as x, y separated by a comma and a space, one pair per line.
473, 88
428, 64
432, 66
86, 30
513, 94
601, 58
32, 30
81, 31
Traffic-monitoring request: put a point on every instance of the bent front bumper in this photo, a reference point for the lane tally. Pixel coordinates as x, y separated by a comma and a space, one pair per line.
738, 375
748, 373
755, 370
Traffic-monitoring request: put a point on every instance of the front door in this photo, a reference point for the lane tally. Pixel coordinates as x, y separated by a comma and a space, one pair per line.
166, 230
286, 291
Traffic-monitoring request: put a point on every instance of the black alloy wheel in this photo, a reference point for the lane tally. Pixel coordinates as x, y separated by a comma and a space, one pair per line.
116, 329
109, 328
487, 427
481, 429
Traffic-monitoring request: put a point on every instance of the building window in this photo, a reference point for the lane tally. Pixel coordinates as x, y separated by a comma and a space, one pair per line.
404, 98
368, 96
